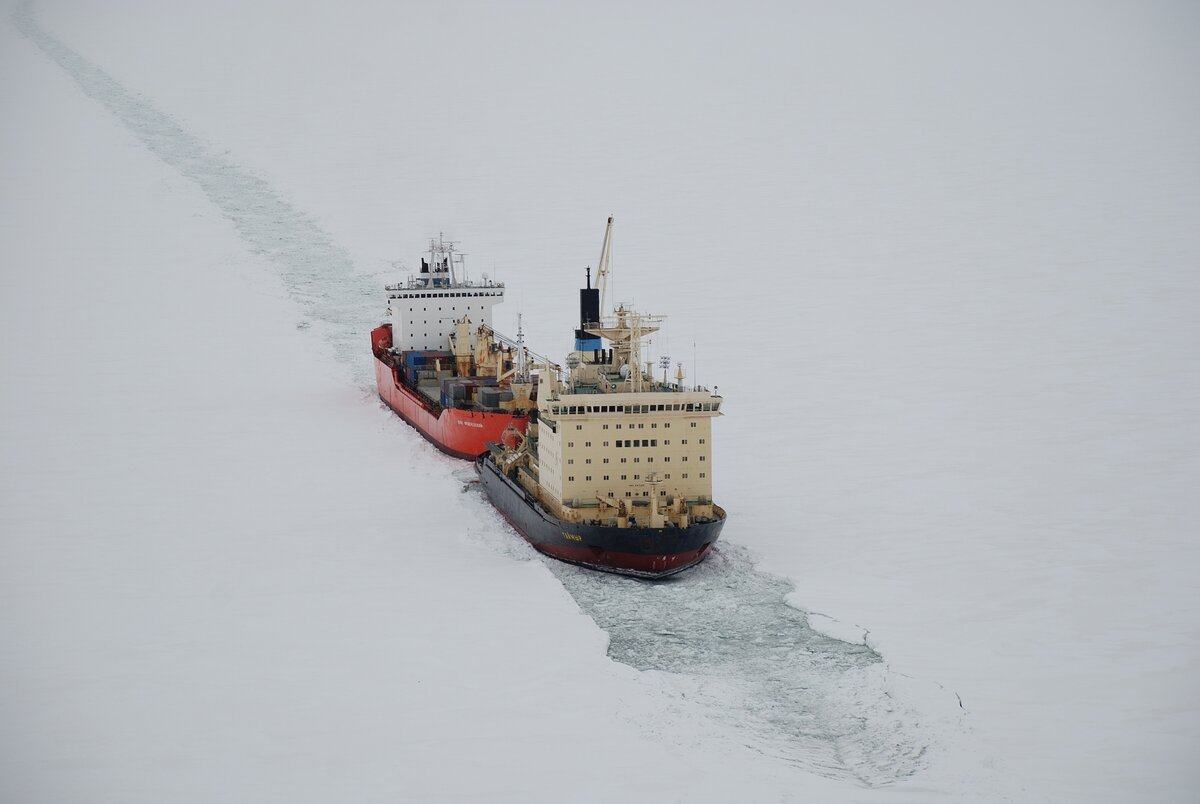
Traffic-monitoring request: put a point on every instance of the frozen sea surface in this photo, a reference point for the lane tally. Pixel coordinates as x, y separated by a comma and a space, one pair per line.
747, 658
965, 409
318, 273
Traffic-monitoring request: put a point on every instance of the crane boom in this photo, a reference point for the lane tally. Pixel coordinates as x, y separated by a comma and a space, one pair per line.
602, 271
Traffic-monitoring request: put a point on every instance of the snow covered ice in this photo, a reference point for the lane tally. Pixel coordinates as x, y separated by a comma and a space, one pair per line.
940, 261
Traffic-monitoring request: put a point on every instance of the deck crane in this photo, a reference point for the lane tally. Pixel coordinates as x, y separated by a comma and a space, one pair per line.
602, 270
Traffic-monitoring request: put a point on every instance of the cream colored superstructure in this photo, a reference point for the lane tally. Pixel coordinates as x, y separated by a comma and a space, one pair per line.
610, 444
616, 445
620, 456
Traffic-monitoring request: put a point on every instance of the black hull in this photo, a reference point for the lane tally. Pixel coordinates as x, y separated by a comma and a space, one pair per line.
640, 551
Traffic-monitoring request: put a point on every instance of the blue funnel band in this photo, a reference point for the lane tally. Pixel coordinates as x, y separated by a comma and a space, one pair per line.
587, 344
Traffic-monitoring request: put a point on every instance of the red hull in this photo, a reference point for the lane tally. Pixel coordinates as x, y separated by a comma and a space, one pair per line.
461, 433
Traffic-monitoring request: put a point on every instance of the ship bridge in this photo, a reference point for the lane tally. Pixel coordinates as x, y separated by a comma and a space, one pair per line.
424, 310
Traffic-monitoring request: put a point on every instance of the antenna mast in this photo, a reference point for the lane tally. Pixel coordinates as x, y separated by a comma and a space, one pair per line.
521, 370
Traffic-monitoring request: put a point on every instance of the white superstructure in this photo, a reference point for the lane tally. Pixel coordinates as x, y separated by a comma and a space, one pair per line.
424, 310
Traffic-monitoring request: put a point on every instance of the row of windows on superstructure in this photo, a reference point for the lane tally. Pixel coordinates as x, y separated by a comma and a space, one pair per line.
662, 492
453, 309
649, 459
692, 407
638, 425
638, 459
639, 443
407, 295
636, 442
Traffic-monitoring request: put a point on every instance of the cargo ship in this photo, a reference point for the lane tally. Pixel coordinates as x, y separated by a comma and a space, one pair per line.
614, 470
441, 366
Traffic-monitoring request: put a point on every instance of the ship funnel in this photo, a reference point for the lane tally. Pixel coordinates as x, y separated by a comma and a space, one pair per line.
589, 313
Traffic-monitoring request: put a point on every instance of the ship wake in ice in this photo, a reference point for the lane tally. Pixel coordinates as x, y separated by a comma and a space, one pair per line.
724, 639
754, 663
317, 272
721, 635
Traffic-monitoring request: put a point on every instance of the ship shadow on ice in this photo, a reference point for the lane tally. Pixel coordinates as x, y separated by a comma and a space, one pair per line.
726, 639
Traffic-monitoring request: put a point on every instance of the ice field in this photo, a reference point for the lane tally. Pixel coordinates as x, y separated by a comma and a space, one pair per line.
941, 262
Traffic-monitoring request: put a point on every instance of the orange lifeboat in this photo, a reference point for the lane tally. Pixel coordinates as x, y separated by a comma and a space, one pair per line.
511, 437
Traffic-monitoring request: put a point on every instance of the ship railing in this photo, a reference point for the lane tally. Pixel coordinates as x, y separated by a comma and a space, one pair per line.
427, 281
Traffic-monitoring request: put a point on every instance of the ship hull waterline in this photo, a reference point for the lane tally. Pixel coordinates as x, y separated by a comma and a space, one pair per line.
638, 551
459, 433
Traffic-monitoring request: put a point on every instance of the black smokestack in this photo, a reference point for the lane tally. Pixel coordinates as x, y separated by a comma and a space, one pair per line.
589, 303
